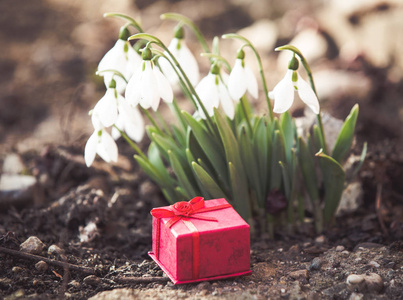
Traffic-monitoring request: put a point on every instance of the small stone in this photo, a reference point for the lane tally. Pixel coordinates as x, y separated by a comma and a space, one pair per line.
55, 250
74, 283
340, 248
356, 296
203, 286
37, 282
374, 282
92, 280
345, 252
299, 274
32, 245
17, 270
316, 264
41, 266
355, 279
374, 264
282, 291
320, 239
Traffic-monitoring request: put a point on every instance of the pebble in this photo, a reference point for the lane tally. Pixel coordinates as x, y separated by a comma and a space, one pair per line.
41, 266
17, 269
316, 264
374, 264
92, 280
55, 250
356, 296
340, 248
299, 274
320, 239
203, 286
365, 283
32, 245
74, 283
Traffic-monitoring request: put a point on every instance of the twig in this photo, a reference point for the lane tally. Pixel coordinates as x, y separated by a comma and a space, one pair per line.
85, 270
140, 279
378, 209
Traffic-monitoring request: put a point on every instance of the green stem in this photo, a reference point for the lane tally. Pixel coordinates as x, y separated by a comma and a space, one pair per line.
131, 143
114, 72
260, 65
125, 17
246, 113
191, 25
149, 117
311, 81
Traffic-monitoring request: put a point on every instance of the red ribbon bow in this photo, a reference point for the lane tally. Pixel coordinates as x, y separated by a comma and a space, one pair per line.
184, 211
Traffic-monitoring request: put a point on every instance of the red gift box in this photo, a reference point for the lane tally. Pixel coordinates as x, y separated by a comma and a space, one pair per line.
200, 240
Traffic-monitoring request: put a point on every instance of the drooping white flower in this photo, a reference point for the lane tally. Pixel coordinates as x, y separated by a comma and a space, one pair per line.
241, 80
187, 61
129, 120
213, 92
283, 93
122, 58
107, 109
101, 143
148, 85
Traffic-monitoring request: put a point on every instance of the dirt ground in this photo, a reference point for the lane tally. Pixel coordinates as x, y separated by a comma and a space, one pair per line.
95, 224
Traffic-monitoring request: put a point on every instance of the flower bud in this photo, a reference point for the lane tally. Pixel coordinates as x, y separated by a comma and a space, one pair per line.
147, 54
294, 64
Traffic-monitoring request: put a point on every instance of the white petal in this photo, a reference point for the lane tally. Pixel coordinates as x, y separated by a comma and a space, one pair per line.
133, 122
226, 101
168, 70
133, 89
284, 94
107, 108
96, 121
164, 88
119, 124
91, 149
208, 93
149, 87
189, 63
251, 82
237, 81
107, 148
307, 95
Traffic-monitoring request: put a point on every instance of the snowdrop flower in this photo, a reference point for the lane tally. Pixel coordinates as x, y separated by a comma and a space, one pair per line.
283, 92
242, 79
148, 85
107, 109
122, 58
129, 120
101, 143
213, 92
187, 61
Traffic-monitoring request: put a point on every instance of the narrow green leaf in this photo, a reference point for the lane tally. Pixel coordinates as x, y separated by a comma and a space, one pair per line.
157, 166
251, 166
346, 135
212, 150
209, 184
286, 180
334, 178
307, 165
183, 178
240, 194
278, 154
287, 130
262, 150
362, 158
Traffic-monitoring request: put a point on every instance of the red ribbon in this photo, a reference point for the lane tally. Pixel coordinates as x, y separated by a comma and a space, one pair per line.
184, 211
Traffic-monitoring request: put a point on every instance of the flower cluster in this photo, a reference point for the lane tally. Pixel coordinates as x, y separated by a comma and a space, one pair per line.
223, 149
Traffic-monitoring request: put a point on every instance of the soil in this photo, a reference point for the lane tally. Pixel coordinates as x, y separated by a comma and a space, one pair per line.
99, 217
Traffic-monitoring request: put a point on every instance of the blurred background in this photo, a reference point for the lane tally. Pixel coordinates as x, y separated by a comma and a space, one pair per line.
50, 50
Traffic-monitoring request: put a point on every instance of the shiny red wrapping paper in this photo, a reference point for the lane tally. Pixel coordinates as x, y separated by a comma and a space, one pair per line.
215, 245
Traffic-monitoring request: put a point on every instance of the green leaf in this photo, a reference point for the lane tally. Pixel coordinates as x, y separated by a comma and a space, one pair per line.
307, 165
362, 158
333, 178
286, 180
240, 194
346, 135
211, 149
208, 183
251, 166
183, 178
287, 129
278, 154
156, 165
262, 149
